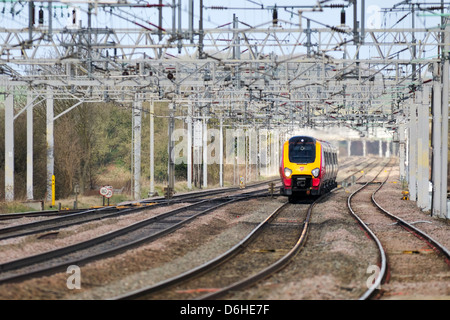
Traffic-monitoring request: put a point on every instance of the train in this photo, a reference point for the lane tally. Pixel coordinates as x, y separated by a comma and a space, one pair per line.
308, 166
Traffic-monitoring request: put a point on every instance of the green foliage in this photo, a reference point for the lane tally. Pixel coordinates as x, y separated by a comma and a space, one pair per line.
88, 139
93, 146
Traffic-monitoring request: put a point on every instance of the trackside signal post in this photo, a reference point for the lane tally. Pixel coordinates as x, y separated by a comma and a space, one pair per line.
106, 192
53, 190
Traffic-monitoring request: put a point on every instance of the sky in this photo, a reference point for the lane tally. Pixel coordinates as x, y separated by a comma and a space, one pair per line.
247, 11
250, 13
376, 16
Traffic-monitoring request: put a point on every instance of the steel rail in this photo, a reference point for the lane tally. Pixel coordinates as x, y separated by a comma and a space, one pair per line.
52, 223
407, 226
32, 214
88, 215
383, 260
203, 193
367, 165
281, 263
204, 267
46, 256
275, 267
139, 293
417, 232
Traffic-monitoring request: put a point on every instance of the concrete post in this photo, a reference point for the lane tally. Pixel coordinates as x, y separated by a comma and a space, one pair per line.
253, 159
189, 147
402, 151
437, 154
423, 151
9, 147
444, 135
380, 148
412, 154
205, 154
50, 143
152, 149
171, 147
137, 117
29, 147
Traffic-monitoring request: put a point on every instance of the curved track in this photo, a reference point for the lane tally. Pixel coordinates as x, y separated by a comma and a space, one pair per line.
162, 224
164, 289
371, 188
115, 241
221, 271
66, 219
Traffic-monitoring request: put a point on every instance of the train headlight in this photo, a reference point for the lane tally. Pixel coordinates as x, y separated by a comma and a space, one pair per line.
315, 172
287, 172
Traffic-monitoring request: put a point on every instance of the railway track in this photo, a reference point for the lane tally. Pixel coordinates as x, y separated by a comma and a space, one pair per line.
261, 249
65, 219
218, 275
34, 214
29, 267
82, 216
116, 241
357, 174
366, 211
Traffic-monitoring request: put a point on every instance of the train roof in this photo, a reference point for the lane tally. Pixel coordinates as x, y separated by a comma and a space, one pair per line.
308, 137
314, 139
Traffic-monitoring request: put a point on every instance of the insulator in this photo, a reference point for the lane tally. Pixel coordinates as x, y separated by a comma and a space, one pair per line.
41, 16
343, 17
338, 30
336, 6
434, 8
275, 17
218, 8
74, 16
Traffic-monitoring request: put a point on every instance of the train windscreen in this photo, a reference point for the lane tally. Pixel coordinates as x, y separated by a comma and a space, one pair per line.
302, 150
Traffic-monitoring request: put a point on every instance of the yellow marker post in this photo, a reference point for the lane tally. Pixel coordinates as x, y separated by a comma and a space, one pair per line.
53, 190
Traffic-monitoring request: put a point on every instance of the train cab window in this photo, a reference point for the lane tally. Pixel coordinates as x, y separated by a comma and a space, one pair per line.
302, 150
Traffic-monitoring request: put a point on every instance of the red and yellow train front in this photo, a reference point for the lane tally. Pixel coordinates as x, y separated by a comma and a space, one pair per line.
301, 166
